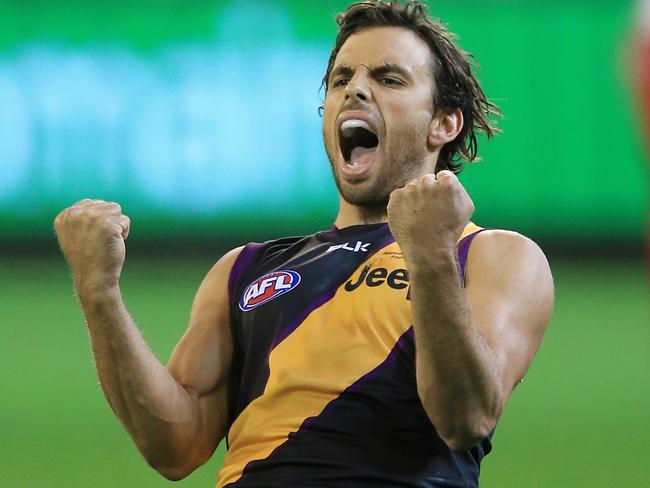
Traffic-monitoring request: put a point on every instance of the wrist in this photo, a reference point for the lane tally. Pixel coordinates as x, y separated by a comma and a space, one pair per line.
96, 293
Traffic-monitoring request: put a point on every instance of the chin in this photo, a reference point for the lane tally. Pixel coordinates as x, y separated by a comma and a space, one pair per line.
362, 194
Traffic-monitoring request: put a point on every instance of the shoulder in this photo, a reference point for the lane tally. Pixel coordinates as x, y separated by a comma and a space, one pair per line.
504, 253
499, 243
216, 281
225, 264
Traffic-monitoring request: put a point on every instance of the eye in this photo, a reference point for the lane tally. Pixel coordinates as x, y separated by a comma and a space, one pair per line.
390, 81
340, 82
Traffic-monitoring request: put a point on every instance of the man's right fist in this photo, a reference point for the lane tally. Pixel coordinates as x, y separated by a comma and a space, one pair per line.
91, 234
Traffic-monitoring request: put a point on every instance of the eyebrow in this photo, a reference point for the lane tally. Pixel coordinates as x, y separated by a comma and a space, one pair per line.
340, 71
375, 72
390, 68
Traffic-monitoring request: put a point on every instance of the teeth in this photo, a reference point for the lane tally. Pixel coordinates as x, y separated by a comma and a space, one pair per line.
349, 125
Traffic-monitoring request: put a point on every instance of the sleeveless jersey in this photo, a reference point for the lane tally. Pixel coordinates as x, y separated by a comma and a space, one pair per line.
323, 390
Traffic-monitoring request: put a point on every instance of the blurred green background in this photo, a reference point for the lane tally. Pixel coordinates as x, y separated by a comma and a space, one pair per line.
201, 119
203, 116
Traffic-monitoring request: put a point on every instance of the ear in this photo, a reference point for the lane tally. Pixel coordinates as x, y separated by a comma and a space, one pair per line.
444, 127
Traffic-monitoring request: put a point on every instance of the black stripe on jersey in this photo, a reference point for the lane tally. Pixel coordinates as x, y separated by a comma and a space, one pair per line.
322, 273
406, 452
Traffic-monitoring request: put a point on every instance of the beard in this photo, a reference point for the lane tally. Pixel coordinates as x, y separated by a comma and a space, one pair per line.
401, 162
371, 197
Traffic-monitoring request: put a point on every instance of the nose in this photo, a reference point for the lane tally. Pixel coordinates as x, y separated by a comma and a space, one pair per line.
357, 89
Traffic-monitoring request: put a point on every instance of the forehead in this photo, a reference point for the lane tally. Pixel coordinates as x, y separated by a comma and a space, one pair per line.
376, 46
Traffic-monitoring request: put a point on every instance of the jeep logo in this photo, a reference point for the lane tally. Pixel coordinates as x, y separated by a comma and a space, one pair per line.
398, 279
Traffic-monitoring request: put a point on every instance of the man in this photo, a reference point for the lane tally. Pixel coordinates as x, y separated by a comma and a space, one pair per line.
378, 353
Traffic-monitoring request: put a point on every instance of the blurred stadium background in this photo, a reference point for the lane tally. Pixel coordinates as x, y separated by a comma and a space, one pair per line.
201, 119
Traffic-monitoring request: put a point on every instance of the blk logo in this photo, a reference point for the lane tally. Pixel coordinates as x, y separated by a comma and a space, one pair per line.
358, 247
267, 287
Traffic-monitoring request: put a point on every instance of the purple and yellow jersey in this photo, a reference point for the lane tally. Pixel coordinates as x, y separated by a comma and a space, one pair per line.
323, 390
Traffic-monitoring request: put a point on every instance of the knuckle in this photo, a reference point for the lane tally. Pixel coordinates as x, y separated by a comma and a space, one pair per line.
428, 181
110, 208
92, 212
59, 218
75, 211
446, 177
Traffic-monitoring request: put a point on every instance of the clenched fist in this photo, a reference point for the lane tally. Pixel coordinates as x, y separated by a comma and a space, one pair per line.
91, 234
429, 214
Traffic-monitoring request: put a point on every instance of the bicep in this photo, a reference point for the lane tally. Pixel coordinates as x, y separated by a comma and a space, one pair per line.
510, 290
201, 360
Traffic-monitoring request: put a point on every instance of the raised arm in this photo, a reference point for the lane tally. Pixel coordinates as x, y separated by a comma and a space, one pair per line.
176, 415
473, 344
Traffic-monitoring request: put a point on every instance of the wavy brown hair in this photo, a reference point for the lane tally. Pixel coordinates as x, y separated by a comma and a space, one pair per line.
455, 83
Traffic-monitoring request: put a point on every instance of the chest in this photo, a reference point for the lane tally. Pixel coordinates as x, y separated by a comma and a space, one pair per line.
358, 301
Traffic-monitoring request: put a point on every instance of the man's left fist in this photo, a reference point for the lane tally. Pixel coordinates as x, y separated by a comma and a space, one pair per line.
429, 213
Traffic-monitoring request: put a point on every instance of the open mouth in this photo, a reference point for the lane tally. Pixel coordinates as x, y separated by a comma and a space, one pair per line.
357, 140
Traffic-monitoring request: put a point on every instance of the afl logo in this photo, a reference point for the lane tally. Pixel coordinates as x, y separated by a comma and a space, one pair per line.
268, 287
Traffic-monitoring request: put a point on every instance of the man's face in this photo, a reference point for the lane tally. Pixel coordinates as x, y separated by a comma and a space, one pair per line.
378, 111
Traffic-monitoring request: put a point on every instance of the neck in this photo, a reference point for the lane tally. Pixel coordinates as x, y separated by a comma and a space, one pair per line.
350, 214
355, 215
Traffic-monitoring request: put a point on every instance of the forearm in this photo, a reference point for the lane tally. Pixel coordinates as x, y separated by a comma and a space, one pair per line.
456, 370
159, 414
